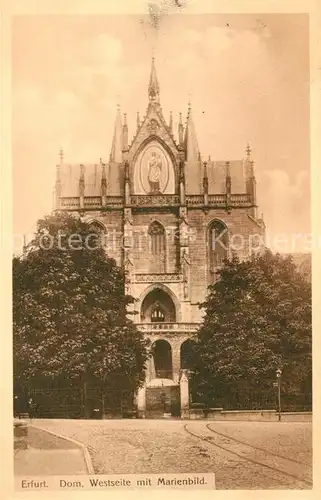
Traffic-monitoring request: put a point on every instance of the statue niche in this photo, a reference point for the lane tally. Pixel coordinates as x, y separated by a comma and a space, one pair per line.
154, 173
155, 166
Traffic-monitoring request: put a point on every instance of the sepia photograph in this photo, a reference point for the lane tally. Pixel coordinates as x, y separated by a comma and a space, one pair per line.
162, 247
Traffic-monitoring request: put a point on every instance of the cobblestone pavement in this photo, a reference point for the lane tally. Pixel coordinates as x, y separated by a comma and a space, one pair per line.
280, 459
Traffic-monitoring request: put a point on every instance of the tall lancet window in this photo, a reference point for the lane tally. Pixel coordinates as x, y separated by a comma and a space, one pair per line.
97, 236
157, 248
218, 242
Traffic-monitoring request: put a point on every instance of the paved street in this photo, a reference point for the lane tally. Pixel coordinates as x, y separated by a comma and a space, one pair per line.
244, 455
48, 455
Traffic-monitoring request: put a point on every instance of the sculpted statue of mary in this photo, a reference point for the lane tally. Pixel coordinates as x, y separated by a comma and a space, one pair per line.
155, 167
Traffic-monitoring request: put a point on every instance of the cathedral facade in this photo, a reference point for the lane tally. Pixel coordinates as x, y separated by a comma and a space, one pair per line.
170, 219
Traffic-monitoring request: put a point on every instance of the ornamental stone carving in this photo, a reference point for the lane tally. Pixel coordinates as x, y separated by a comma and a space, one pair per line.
153, 126
155, 200
159, 278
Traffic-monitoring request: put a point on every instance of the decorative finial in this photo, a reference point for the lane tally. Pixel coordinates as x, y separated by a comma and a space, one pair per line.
180, 119
153, 88
209, 158
125, 119
248, 150
61, 154
189, 101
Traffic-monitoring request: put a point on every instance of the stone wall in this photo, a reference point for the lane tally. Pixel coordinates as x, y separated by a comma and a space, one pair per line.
240, 226
238, 222
141, 252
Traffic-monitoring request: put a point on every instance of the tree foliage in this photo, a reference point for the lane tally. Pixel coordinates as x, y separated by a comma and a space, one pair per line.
70, 311
257, 319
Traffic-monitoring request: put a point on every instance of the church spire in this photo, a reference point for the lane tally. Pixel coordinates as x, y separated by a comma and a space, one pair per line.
125, 132
190, 139
117, 144
153, 87
194, 168
180, 130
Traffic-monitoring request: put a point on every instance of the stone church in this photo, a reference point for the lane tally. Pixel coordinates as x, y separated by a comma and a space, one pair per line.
169, 218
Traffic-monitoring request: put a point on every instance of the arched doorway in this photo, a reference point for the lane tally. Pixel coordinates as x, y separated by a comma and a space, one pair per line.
158, 307
162, 393
162, 359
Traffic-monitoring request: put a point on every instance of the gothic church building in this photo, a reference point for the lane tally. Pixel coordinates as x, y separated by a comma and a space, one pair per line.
169, 217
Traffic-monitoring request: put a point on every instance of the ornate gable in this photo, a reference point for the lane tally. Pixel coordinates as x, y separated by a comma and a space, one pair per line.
153, 155
153, 125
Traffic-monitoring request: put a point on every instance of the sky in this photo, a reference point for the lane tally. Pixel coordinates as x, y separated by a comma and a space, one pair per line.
247, 77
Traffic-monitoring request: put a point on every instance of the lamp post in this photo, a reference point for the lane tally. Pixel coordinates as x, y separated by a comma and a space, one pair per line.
278, 375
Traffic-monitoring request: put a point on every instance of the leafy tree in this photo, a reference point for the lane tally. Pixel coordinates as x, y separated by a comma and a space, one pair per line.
70, 318
257, 319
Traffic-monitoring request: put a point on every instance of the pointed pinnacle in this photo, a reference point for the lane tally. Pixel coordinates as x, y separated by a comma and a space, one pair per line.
189, 108
205, 168
61, 155
153, 87
248, 150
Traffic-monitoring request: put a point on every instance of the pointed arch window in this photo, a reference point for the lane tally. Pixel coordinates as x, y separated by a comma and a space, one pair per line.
98, 234
157, 247
218, 243
157, 315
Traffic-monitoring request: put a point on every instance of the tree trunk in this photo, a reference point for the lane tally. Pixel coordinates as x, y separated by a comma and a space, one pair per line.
85, 399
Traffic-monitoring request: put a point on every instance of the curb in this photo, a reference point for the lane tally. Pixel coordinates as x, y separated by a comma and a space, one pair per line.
20, 435
88, 461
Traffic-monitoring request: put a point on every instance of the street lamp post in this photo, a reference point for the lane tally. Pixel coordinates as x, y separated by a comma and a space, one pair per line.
278, 375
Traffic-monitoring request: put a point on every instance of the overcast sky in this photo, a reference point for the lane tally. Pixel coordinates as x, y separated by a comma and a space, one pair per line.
247, 77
